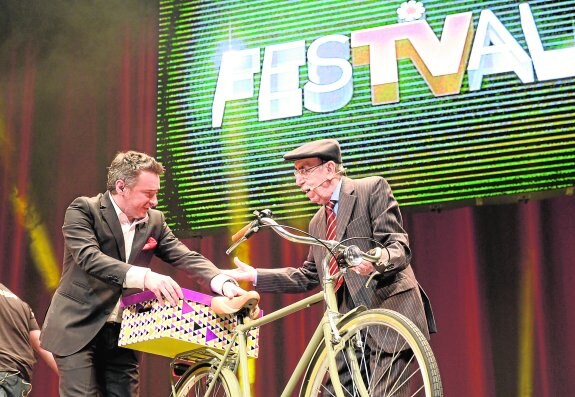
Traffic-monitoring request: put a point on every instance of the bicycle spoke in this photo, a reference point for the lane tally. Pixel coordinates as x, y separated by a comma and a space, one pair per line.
197, 380
392, 361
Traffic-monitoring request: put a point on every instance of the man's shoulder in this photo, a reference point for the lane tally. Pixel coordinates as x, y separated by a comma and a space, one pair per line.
85, 204
368, 182
88, 200
156, 216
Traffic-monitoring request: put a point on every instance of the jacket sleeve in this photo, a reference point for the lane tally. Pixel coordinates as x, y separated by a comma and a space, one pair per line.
388, 225
172, 251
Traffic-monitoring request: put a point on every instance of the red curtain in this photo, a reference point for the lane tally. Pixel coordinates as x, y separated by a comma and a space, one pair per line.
500, 277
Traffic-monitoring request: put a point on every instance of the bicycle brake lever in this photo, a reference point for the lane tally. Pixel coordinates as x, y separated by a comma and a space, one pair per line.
373, 274
243, 234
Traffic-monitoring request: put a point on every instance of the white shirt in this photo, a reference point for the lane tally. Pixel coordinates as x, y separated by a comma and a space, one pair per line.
136, 274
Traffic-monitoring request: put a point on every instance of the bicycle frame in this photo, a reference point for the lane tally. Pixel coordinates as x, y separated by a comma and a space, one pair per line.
326, 330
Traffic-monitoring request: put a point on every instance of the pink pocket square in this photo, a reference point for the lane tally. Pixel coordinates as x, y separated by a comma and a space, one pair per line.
150, 244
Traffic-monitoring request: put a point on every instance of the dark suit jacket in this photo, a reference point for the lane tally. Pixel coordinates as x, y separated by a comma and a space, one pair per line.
95, 268
366, 208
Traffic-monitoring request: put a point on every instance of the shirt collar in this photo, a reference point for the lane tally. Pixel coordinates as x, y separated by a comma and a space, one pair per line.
123, 218
337, 191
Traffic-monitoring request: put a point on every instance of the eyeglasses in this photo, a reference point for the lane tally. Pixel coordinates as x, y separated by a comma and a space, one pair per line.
306, 171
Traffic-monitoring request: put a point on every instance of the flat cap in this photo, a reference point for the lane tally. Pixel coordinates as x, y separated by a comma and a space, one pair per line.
325, 149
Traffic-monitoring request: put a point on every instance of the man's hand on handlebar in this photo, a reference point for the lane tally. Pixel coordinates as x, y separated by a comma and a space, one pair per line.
243, 272
368, 268
365, 268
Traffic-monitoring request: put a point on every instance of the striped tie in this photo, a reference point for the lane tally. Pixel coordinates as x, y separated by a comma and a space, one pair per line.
330, 235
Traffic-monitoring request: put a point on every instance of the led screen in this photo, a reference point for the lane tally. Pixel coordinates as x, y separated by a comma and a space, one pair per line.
453, 102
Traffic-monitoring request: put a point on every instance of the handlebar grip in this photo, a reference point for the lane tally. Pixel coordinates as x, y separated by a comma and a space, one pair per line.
241, 233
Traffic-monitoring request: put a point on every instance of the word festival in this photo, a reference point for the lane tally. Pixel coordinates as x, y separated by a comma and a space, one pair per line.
487, 50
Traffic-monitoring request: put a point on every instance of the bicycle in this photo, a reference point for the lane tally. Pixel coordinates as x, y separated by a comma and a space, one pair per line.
336, 350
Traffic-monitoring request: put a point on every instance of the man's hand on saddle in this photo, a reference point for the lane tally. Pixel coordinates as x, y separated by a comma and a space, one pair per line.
243, 271
229, 289
238, 298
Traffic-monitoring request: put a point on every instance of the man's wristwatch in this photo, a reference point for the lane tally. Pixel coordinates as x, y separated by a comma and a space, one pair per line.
229, 280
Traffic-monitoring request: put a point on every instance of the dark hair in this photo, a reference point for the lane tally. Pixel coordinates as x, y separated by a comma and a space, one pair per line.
127, 166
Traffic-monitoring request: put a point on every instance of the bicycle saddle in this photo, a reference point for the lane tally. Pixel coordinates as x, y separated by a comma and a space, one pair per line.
223, 305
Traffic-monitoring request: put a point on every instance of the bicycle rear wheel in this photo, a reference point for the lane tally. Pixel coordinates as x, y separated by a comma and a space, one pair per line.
368, 340
195, 382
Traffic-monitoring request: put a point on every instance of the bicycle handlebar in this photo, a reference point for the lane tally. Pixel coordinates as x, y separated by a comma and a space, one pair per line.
352, 253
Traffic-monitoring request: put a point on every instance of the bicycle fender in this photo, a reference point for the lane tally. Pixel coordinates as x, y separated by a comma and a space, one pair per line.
353, 312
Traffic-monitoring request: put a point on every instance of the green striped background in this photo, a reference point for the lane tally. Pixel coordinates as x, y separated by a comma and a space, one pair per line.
508, 140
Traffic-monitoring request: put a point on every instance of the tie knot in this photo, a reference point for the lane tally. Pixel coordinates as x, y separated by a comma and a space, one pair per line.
330, 205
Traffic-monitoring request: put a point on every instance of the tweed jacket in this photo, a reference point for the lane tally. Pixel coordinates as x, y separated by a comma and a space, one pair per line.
367, 209
95, 266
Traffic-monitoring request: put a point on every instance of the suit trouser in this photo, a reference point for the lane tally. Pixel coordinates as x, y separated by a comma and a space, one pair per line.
100, 369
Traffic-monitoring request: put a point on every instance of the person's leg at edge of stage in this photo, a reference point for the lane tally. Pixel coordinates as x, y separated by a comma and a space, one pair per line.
13, 385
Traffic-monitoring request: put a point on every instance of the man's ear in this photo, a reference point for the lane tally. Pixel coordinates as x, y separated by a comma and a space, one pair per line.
331, 166
120, 186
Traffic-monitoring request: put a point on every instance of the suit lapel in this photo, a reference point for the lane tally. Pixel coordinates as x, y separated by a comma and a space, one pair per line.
111, 218
318, 224
139, 240
321, 224
345, 207
347, 202
317, 228
344, 211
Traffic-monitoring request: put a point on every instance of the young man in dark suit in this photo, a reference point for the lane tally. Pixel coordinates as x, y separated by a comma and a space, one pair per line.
109, 241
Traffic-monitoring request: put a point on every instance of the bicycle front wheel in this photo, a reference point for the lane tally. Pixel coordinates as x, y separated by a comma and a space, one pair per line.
381, 353
196, 380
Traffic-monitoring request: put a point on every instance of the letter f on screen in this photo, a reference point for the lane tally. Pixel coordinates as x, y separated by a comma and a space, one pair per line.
235, 80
